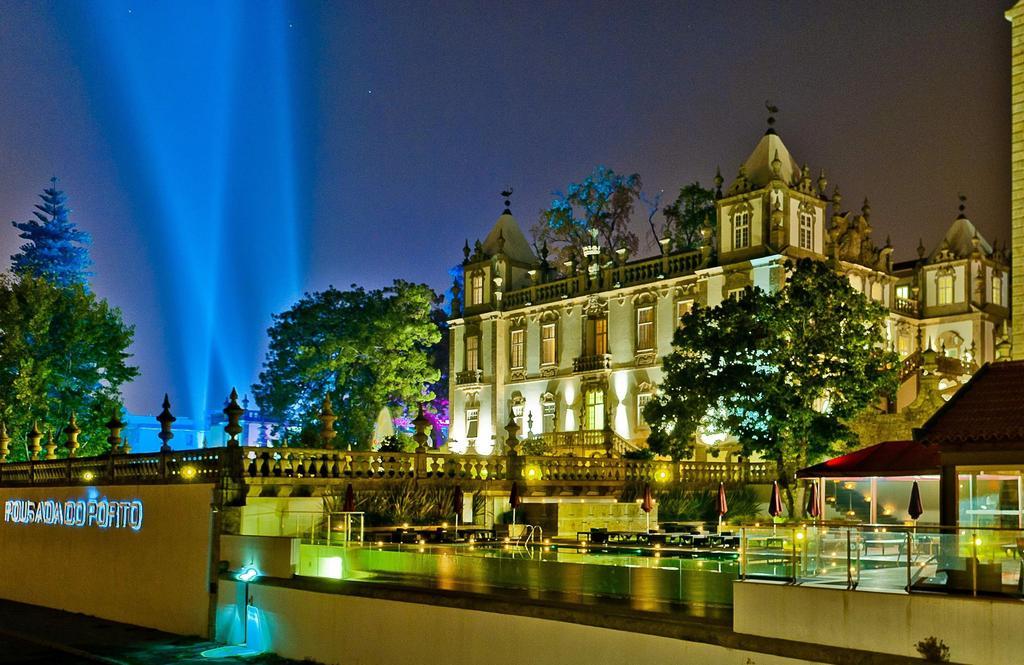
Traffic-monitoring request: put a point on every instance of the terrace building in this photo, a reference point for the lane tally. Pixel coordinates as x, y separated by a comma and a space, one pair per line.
574, 352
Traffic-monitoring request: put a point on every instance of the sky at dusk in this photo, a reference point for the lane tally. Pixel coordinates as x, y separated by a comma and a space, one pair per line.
227, 156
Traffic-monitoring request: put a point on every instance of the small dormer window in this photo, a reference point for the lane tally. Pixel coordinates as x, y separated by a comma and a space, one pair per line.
741, 230
476, 291
997, 289
806, 230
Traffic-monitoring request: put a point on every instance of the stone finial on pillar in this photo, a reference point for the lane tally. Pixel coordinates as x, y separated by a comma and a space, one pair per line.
115, 426
5, 442
71, 432
421, 424
512, 431
34, 435
51, 446
327, 418
607, 437
165, 419
234, 412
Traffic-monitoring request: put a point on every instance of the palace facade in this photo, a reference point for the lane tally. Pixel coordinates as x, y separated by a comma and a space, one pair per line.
573, 352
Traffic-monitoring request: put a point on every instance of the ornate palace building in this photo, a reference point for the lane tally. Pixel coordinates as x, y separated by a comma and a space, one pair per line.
573, 352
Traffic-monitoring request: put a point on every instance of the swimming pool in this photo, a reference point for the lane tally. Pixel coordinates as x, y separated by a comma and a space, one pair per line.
644, 580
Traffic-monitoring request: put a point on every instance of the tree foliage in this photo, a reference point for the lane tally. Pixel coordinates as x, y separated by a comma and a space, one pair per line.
598, 207
56, 250
366, 349
687, 215
62, 351
781, 372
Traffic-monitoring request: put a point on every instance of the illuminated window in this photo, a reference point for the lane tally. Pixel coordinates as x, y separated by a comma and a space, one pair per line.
735, 294
903, 345
997, 289
516, 354
903, 292
476, 292
549, 415
600, 336
645, 329
472, 353
741, 230
547, 344
806, 230
944, 284
683, 307
595, 409
472, 418
641, 401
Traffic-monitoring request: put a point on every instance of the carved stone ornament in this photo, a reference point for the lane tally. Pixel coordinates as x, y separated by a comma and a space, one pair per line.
646, 358
549, 371
518, 375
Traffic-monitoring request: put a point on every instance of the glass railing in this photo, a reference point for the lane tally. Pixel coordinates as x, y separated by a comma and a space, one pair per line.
974, 561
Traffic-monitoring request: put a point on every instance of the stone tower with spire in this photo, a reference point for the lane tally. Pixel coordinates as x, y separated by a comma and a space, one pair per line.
1016, 17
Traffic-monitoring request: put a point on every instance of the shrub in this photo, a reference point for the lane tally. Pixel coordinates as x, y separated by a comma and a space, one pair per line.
933, 650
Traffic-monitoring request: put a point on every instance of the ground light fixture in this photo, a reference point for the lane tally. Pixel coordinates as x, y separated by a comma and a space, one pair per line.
247, 574
88, 476
188, 472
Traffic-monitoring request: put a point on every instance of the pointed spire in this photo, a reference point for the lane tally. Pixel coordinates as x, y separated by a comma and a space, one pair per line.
33, 441
234, 414
327, 418
718, 182
465, 252
165, 419
822, 182
865, 209
507, 195
772, 110
837, 199
921, 250
776, 164
71, 432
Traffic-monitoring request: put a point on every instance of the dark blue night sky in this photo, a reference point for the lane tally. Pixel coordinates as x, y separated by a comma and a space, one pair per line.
228, 156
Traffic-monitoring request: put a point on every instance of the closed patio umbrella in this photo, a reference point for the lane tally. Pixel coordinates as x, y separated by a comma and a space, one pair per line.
457, 500
775, 502
723, 505
813, 504
647, 505
514, 500
350, 500
916, 508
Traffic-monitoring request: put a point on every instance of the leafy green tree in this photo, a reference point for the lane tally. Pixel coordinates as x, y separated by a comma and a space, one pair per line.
62, 351
687, 215
599, 207
784, 373
56, 249
367, 349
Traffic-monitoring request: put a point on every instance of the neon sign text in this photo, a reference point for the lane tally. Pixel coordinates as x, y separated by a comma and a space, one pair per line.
98, 513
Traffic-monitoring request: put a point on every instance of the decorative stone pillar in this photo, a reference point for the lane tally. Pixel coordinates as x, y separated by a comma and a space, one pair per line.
71, 432
51, 446
234, 412
421, 424
5, 442
33, 441
327, 418
512, 432
115, 426
165, 419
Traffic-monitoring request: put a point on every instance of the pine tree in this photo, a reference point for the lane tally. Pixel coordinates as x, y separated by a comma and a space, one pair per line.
56, 250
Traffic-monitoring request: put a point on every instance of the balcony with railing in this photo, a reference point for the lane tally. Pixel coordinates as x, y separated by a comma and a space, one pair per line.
908, 306
615, 275
469, 377
592, 363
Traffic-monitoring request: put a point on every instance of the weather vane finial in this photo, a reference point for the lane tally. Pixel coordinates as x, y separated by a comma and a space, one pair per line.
963, 206
506, 194
772, 110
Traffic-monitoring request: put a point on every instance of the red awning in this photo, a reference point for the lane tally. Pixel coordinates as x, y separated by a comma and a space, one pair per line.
891, 458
